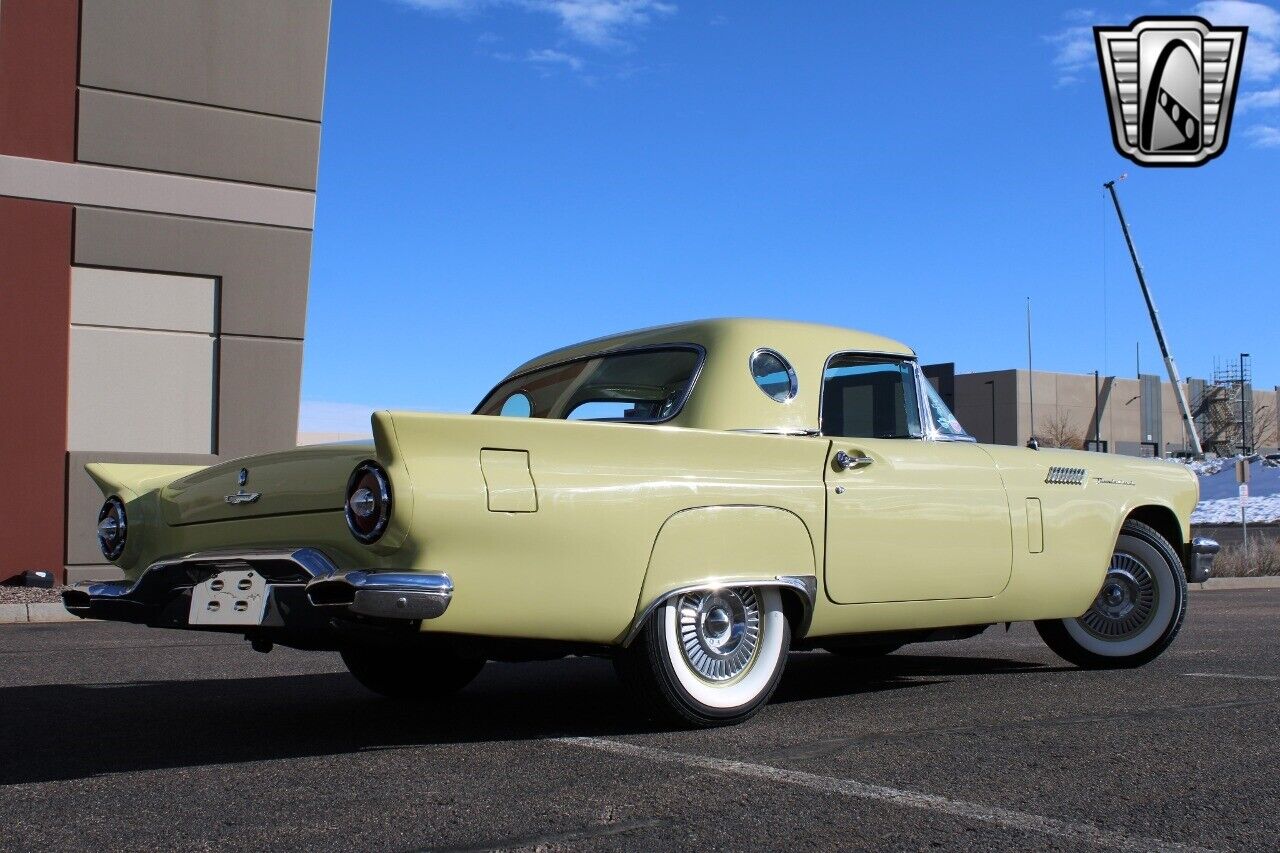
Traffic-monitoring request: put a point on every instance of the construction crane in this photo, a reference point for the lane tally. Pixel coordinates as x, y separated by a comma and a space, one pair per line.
1187, 421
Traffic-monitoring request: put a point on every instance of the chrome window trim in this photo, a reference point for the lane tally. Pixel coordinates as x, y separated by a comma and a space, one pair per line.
932, 433
793, 391
796, 431
693, 380
894, 356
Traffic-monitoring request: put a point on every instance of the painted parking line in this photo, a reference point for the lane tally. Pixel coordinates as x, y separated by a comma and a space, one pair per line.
1008, 818
1233, 675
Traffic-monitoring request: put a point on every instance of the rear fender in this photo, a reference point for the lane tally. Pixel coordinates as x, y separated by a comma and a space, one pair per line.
716, 546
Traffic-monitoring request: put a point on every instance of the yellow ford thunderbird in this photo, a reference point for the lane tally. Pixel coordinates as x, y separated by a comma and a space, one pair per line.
693, 501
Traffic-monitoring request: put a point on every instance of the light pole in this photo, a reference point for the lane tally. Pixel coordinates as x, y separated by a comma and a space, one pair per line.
1097, 414
992, 383
1245, 450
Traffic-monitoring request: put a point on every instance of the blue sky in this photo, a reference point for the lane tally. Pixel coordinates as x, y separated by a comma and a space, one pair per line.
502, 177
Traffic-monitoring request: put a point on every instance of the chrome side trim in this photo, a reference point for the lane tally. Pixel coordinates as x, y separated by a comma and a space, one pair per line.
806, 585
389, 595
1060, 476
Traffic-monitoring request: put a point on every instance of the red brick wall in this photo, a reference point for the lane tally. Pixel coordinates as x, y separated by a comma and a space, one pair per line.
39, 55
39, 61
35, 309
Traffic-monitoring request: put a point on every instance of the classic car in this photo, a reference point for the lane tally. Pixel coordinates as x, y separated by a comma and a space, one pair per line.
693, 501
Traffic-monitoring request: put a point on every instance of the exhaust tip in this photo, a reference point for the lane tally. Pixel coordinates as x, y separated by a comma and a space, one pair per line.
335, 592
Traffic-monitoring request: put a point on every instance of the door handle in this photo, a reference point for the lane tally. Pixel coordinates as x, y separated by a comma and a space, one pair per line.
846, 461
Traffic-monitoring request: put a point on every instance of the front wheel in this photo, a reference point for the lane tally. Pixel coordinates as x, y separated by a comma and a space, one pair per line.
709, 657
412, 672
1137, 613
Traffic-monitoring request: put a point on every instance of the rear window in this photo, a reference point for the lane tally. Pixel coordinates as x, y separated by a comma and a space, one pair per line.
640, 386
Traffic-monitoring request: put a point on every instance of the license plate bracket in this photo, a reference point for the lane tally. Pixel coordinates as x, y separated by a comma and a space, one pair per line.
235, 597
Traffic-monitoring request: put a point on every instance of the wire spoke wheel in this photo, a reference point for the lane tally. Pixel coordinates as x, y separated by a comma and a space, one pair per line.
1126, 602
1137, 610
719, 632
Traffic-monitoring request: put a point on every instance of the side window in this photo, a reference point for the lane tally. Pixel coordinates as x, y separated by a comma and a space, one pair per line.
773, 375
516, 406
869, 397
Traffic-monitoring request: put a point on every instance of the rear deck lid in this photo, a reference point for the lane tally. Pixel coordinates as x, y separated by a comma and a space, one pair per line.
291, 482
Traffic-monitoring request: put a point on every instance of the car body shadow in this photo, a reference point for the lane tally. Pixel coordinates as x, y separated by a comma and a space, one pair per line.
143, 725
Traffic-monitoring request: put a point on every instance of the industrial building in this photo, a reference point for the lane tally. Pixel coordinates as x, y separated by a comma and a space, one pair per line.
157, 191
1133, 416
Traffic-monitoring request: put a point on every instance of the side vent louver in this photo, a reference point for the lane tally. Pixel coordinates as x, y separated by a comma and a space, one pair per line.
1065, 476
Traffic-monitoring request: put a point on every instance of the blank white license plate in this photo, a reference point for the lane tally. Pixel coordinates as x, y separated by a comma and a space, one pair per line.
229, 598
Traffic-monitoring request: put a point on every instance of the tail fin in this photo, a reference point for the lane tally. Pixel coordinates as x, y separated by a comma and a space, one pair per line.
127, 479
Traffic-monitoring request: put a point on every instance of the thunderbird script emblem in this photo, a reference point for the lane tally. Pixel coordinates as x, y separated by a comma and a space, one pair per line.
241, 496
1170, 84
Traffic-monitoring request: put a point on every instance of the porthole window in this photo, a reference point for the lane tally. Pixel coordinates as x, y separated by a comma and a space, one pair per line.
517, 406
773, 375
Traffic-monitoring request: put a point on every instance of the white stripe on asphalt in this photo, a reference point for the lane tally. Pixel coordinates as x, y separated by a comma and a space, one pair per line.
1008, 818
1233, 675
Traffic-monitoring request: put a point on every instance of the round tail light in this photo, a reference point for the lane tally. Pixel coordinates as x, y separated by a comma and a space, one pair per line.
368, 506
112, 528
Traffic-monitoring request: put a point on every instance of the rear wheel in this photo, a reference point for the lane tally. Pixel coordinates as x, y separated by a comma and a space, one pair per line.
1136, 614
413, 672
709, 657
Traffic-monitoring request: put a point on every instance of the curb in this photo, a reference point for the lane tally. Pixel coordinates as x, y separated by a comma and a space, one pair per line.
42, 612
1267, 582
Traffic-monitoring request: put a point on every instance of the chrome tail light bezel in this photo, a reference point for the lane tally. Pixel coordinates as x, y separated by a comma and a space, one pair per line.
365, 475
112, 547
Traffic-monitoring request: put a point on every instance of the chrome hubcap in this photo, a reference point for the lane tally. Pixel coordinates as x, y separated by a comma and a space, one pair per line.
1126, 601
719, 631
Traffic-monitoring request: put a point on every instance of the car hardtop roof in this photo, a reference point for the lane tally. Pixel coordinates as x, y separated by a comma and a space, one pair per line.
799, 342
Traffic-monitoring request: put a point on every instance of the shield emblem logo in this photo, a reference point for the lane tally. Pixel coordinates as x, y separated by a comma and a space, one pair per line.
1170, 84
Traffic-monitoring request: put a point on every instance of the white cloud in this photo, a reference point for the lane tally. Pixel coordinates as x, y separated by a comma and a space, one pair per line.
1264, 136
1258, 100
547, 56
1262, 46
598, 23
1074, 52
601, 23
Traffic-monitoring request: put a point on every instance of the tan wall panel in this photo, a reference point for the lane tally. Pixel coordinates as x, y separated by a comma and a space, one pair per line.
84, 498
140, 391
261, 55
145, 133
142, 300
259, 381
263, 270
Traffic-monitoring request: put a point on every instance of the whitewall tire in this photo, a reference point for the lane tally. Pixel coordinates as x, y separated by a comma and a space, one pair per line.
709, 657
1136, 614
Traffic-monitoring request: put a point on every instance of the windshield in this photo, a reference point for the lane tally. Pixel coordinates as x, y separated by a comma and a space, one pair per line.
641, 386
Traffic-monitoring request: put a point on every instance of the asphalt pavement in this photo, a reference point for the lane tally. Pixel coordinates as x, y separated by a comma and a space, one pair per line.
119, 737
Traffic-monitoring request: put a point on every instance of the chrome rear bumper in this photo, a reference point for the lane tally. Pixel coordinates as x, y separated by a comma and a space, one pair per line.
305, 589
386, 595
